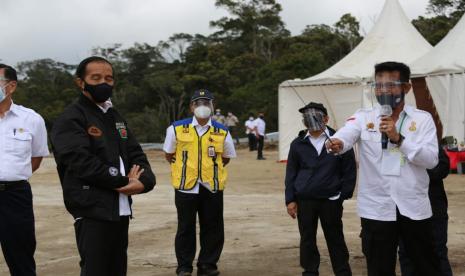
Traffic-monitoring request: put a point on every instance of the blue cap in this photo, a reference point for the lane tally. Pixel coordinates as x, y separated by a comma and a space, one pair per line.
202, 94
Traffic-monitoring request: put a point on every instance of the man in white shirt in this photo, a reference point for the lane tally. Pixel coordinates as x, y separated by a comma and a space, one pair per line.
249, 130
259, 130
392, 197
23, 144
198, 149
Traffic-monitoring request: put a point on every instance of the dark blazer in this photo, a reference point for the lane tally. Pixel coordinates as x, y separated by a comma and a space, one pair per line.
437, 194
313, 176
87, 144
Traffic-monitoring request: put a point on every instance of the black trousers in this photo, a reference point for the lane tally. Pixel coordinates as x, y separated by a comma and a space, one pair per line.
330, 214
209, 207
17, 232
102, 246
440, 247
260, 146
252, 141
380, 240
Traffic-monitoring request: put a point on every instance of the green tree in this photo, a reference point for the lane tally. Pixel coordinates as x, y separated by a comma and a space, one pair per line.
253, 27
348, 27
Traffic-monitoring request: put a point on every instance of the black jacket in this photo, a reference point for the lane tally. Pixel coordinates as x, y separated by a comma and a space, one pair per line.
87, 144
437, 194
313, 176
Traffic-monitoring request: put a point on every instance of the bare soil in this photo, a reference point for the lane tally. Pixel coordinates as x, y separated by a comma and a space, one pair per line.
260, 237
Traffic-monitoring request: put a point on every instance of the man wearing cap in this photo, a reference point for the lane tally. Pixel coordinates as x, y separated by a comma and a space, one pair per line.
23, 144
198, 150
317, 183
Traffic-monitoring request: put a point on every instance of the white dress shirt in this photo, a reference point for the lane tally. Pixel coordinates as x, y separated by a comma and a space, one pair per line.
249, 126
22, 136
170, 147
380, 192
124, 208
260, 124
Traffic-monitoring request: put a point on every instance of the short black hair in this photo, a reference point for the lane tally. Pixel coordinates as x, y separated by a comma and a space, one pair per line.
10, 72
392, 66
81, 69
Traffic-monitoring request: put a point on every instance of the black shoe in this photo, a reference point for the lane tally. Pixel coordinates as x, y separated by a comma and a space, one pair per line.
184, 273
261, 158
203, 271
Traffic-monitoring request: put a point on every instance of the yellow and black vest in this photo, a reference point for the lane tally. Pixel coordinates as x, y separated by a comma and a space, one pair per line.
198, 158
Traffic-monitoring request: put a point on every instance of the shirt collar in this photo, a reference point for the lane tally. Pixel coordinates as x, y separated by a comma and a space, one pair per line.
14, 108
105, 106
407, 110
196, 123
322, 134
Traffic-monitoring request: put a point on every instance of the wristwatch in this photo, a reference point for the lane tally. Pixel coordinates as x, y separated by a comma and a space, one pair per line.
399, 142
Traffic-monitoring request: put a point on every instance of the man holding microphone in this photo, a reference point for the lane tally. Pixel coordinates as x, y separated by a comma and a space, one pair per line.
393, 200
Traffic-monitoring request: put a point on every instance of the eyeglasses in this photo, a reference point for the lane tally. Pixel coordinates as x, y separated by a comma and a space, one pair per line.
387, 85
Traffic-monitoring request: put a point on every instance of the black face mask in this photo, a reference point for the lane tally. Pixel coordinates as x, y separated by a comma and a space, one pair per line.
391, 100
100, 92
261, 117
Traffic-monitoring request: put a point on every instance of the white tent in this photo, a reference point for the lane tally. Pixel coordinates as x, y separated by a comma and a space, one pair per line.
444, 70
341, 88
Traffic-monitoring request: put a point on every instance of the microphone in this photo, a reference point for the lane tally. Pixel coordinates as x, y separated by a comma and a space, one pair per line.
386, 110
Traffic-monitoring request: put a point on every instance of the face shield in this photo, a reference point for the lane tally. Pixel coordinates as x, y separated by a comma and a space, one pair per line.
388, 92
314, 119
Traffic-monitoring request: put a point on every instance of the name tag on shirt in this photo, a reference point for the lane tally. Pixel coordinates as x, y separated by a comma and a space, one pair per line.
391, 162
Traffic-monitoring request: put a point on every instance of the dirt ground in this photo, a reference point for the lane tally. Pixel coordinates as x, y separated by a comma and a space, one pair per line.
260, 238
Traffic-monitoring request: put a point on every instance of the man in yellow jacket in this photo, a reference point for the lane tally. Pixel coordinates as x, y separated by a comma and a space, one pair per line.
198, 150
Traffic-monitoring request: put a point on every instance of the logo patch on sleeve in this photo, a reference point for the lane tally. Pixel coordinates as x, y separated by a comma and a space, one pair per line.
123, 132
113, 171
94, 131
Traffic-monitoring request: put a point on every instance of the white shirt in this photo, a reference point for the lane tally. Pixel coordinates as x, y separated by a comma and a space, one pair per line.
319, 143
379, 194
170, 147
260, 124
22, 136
249, 126
124, 208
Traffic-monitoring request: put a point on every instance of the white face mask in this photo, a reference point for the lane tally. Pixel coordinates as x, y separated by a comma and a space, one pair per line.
202, 112
251, 118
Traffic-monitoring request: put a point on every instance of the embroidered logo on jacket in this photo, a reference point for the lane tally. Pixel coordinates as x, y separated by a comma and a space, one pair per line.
121, 127
113, 171
94, 131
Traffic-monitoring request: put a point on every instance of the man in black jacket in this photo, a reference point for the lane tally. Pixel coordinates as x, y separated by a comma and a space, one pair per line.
437, 196
317, 183
100, 165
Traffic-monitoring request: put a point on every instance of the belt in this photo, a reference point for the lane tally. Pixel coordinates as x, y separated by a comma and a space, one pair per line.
7, 185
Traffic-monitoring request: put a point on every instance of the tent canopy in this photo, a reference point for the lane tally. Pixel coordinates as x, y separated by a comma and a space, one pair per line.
341, 87
448, 56
444, 70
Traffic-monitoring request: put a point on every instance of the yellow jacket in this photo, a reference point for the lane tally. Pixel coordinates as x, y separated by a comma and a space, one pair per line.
198, 158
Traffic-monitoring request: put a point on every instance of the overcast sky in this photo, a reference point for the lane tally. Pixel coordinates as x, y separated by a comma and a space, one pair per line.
66, 30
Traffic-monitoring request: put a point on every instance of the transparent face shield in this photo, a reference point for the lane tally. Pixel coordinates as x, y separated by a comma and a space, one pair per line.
314, 119
387, 91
